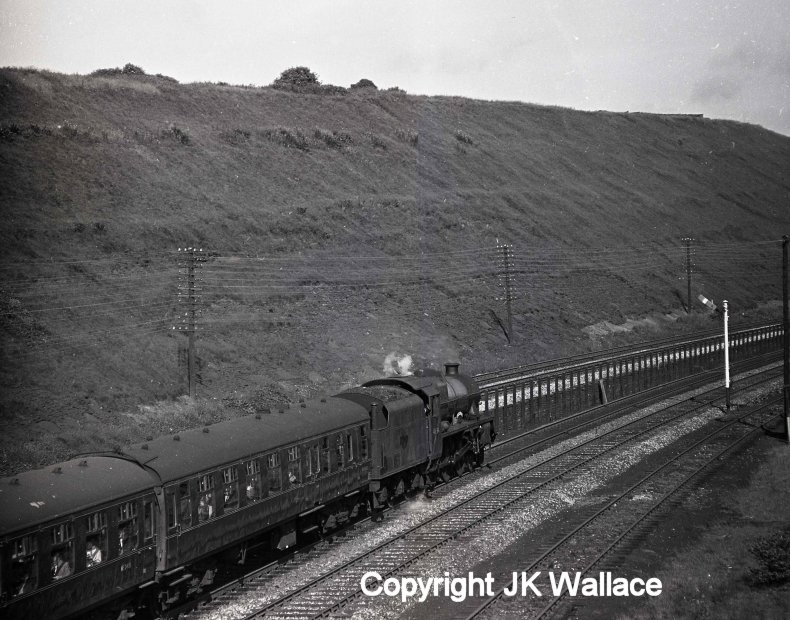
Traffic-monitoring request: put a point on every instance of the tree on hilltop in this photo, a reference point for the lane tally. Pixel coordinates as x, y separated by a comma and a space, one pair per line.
296, 77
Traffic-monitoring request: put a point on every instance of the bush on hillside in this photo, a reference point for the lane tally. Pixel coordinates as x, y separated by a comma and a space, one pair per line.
107, 72
773, 557
365, 83
408, 136
8, 131
177, 134
377, 141
464, 137
296, 78
333, 139
289, 138
302, 80
130, 69
331, 89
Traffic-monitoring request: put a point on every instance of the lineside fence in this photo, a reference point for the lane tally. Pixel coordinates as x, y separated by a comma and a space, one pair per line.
526, 402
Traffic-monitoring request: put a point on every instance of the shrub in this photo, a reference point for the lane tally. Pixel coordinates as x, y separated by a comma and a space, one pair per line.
69, 130
107, 72
364, 83
286, 137
174, 133
236, 137
7, 132
377, 141
330, 89
130, 69
296, 78
408, 136
773, 557
332, 139
464, 137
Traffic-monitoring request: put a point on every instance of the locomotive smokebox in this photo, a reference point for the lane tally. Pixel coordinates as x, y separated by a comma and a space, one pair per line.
451, 369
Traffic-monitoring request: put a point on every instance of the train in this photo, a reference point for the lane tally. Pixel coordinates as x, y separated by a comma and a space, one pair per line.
141, 531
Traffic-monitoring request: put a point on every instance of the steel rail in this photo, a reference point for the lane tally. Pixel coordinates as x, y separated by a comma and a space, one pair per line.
248, 580
501, 505
498, 595
489, 379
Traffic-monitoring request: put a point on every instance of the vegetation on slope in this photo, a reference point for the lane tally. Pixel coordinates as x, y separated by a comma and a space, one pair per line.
341, 225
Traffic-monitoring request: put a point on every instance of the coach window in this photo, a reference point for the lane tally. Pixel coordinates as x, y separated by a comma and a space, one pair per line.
313, 461
148, 521
184, 506
339, 450
230, 481
350, 447
254, 490
326, 457
128, 529
273, 473
171, 507
206, 502
363, 443
24, 565
294, 466
95, 539
62, 554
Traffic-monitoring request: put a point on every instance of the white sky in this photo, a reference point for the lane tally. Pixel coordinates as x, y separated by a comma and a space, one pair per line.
721, 58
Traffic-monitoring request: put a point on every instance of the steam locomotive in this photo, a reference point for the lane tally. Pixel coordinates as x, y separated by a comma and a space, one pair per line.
145, 528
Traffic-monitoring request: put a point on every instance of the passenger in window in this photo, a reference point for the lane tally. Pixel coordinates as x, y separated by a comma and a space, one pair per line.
205, 509
24, 586
93, 554
123, 539
60, 567
230, 496
291, 477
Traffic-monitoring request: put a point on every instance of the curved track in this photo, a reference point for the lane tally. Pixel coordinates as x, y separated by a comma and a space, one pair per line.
336, 584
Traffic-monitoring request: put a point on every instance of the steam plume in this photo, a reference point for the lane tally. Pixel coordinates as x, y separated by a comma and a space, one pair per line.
397, 364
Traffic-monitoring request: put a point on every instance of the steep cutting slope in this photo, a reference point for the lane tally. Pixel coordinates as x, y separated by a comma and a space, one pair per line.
373, 218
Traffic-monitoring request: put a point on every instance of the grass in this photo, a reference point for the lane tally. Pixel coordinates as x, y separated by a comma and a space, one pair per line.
91, 435
715, 579
113, 173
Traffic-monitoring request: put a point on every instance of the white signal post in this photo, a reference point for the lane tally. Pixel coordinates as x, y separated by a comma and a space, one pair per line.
726, 356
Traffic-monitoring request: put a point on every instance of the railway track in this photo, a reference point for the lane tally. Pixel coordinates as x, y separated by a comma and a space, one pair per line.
600, 533
506, 375
332, 581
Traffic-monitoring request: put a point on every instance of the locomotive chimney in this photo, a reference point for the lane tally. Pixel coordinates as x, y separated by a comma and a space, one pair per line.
451, 369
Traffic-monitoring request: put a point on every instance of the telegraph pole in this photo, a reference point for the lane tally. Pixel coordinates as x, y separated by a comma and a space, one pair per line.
726, 355
786, 339
506, 266
190, 258
687, 241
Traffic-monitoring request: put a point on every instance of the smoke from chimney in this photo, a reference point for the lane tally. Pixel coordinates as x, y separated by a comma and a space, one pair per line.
397, 364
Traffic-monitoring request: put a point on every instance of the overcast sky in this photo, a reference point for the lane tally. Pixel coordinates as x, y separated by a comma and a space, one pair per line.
721, 58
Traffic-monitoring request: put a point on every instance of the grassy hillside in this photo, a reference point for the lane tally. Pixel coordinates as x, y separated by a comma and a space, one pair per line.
339, 228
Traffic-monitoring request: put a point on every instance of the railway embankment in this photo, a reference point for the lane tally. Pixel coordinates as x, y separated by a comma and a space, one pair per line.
343, 227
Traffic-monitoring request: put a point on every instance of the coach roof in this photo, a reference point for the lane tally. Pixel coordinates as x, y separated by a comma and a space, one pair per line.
202, 450
66, 489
